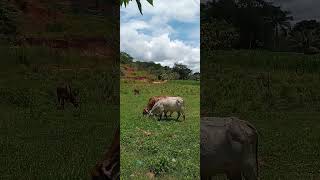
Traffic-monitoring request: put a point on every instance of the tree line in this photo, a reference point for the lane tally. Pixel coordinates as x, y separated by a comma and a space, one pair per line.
177, 72
255, 24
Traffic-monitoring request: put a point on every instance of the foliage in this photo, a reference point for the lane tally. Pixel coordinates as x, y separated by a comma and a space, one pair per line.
126, 2
218, 34
28, 108
255, 21
125, 58
195, 76
179, 71
305, 35
182, 70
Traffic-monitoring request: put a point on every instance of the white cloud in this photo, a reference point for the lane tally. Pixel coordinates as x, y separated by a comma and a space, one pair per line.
149, 37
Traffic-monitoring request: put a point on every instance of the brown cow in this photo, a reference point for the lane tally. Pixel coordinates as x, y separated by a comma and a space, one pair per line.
152, 102
109, 167
66, 94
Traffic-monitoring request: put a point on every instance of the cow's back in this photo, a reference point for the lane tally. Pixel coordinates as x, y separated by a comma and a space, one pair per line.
172, 103
153, 100
216, 152
224, 144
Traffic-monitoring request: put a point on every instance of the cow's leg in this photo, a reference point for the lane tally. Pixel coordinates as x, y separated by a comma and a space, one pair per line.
234, 175
165, 115
160, 116
178, 115
183, 115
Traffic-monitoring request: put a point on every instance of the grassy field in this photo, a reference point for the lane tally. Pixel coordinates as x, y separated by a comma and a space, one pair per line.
37, 141
168, 149
280, 94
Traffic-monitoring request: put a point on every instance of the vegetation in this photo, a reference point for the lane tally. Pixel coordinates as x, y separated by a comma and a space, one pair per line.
177, 72
255, 24
126, 2
37, 139
166, 149
279, 94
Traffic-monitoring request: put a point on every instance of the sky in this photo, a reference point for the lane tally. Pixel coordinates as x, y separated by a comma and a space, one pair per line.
300, 9
166, 33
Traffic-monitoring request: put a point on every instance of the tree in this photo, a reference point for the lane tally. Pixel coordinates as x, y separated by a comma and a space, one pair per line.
218, 34
126, 2
280, 20
195, 76
305, 35
253, 20
125, 58
183, 71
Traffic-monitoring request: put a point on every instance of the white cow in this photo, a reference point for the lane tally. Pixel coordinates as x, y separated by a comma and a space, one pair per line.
228, 146
168, 104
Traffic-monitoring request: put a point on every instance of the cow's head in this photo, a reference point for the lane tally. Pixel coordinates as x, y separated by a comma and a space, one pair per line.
145, 111
75, 98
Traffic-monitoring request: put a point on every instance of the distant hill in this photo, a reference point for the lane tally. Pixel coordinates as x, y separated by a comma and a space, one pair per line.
140, 70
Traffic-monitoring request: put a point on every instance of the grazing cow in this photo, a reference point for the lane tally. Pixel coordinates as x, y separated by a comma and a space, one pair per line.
136, 92
168, 104
228, 146
66, 94
151, 103
109, 167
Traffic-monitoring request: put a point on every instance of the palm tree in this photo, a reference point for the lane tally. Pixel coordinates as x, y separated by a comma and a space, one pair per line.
280, 20
305, 36
126, 2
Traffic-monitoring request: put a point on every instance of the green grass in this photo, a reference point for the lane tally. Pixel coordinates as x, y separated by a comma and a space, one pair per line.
172, 149
285, 111
37, 141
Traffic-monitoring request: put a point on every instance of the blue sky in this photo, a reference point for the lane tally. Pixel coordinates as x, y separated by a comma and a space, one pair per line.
167, 33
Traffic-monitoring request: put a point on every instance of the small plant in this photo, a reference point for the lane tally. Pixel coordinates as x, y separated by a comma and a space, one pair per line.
161, 165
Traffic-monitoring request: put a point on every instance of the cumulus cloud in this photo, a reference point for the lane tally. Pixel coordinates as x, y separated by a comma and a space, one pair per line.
157, 35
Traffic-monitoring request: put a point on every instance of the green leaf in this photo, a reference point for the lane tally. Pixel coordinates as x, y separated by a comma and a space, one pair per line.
139, 6
150, 2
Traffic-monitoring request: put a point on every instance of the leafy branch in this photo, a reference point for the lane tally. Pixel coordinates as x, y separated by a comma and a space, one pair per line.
126, 2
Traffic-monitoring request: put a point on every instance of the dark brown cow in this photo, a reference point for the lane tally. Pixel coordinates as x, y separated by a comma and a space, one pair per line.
109, 167
66, 94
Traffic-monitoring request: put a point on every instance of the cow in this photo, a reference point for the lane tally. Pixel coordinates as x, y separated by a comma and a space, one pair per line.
151, 103
136, 92
109, 167
228, 146
66, 94
168, 104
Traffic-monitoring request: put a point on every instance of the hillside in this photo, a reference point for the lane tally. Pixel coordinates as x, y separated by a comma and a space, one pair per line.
90, 26
151, 71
